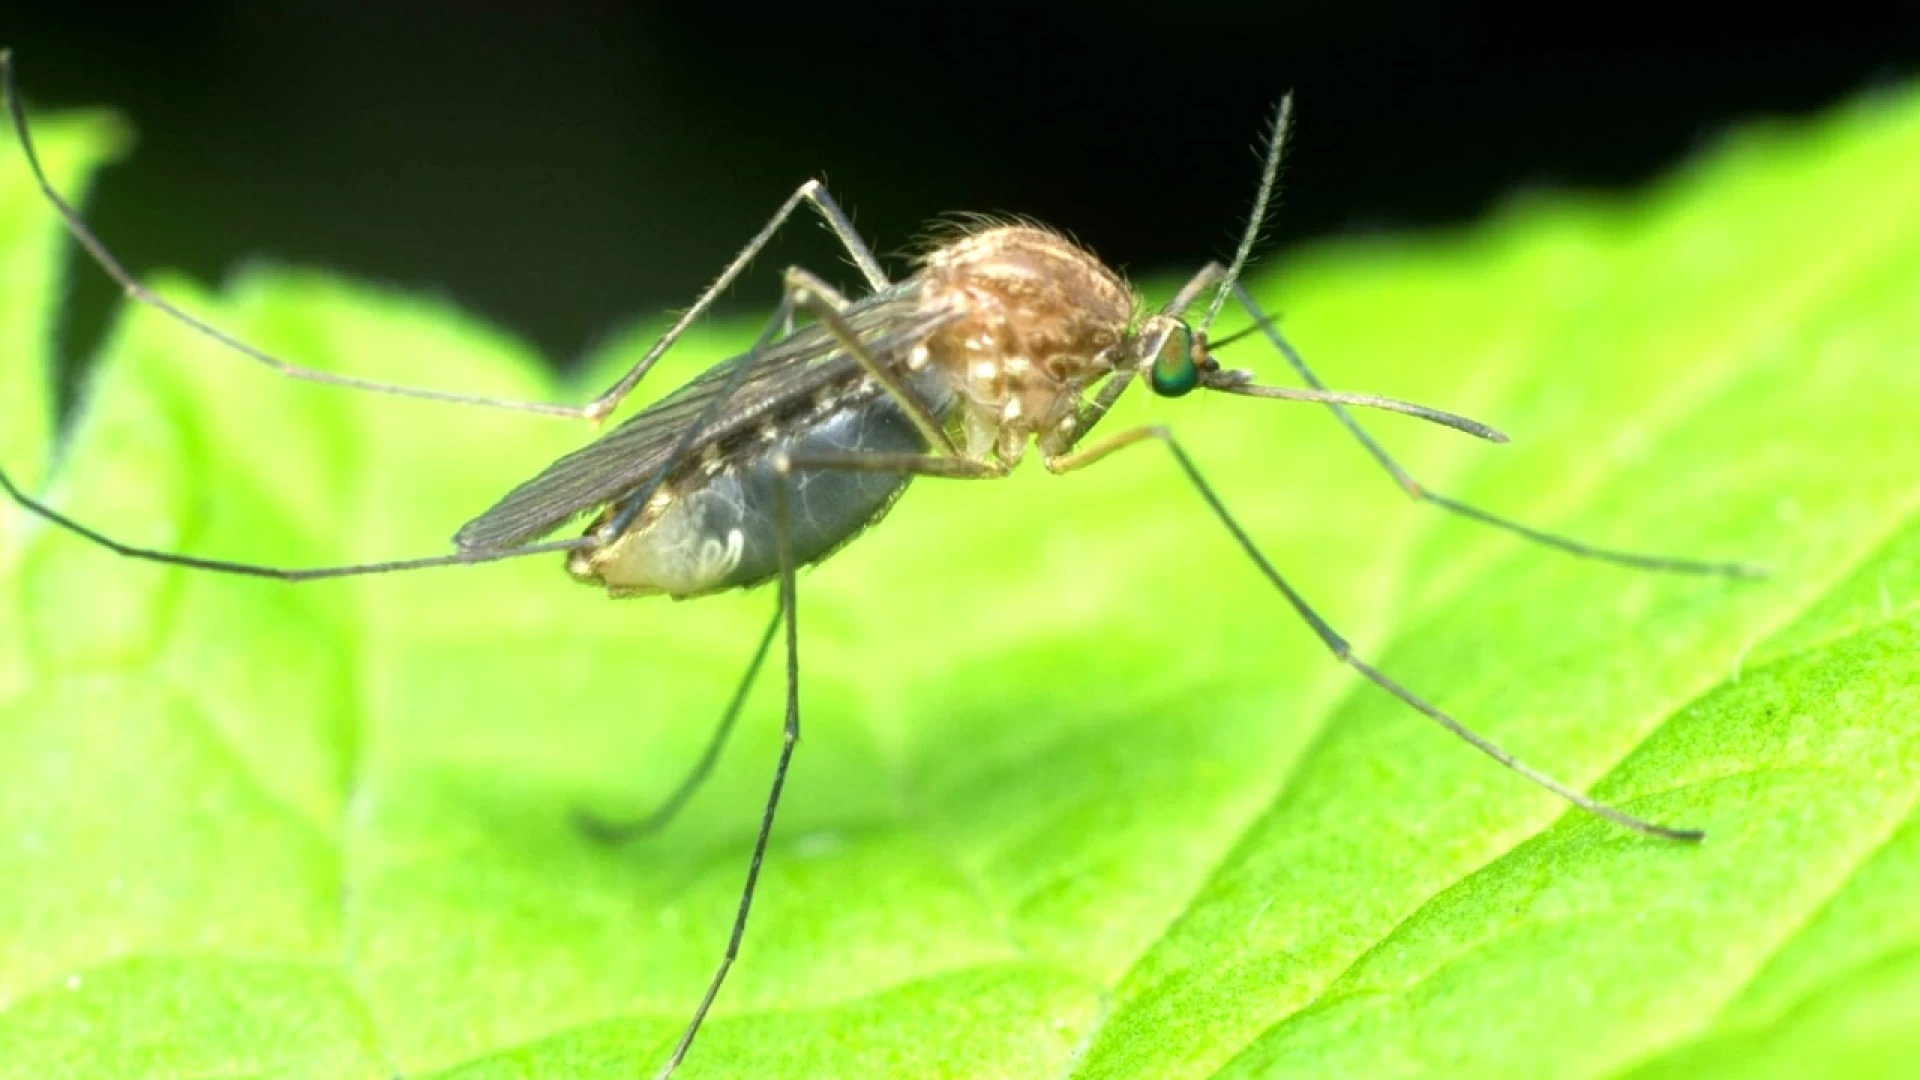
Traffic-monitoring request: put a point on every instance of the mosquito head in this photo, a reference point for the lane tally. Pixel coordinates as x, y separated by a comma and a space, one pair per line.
1172, 356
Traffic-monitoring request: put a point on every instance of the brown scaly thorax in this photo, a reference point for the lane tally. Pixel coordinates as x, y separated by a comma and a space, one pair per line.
1043, 317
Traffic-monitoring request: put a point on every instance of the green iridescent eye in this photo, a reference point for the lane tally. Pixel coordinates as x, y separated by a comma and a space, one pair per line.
1174, 372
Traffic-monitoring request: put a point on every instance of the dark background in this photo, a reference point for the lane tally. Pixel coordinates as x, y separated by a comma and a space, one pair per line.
565, 168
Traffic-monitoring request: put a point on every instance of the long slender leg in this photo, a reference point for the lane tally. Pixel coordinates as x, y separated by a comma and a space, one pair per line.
814, 193
1335, 643
596, 410
790, 737
1421, 493
808, 293
243, 569
617, 832
469, 553
622, 830
1090, 415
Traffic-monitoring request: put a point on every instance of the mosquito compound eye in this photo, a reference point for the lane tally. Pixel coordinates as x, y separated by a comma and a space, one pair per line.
1174, 372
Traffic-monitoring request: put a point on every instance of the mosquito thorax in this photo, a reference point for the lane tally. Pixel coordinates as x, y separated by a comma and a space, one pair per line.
1044, 320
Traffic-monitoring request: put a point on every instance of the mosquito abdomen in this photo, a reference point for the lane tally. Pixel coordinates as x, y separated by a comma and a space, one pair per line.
713, 528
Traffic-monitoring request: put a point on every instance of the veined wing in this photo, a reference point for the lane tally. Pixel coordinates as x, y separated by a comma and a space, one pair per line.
789, 369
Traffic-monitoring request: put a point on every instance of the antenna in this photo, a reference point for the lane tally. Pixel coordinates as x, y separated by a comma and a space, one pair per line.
1262, 202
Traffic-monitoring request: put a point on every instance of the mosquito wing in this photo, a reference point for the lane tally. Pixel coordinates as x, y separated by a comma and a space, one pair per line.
788, 370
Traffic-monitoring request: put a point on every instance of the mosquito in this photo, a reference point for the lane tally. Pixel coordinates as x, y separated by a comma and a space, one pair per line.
1005, 337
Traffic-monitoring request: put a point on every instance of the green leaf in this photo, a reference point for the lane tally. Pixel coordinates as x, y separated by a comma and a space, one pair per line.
1078, 795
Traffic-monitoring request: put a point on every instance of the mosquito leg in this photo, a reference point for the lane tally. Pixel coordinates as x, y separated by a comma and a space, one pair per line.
1092, 412
596, 410
814, 193
790, 736
470, 553
466, 556
785, 466
621, 831
139, 292
1421, 493
259, 570
812, 295
1336, 644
